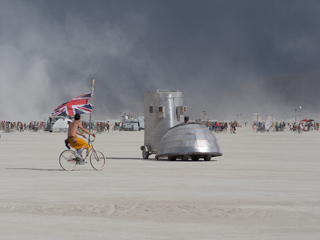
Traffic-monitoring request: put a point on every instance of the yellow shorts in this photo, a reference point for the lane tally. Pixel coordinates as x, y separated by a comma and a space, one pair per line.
77, 143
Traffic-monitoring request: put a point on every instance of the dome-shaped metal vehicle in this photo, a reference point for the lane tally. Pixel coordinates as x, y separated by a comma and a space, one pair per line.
188, 141
166, 134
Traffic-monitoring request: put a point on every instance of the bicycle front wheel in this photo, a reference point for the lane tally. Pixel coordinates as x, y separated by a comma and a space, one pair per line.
97, 160
67, 161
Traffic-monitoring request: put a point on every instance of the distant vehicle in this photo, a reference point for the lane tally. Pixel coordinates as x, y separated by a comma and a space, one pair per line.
141, 122
53, 123
131, 125
61, 125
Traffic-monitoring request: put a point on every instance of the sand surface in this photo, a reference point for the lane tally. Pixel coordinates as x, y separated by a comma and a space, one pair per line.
265, 186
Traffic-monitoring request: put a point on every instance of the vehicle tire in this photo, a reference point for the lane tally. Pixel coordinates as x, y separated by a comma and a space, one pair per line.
172, 158
207, 157
67, 161
195, 157
97, 160
185, 158
145, 154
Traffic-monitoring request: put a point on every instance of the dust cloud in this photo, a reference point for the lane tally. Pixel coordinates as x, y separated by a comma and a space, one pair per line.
209, 50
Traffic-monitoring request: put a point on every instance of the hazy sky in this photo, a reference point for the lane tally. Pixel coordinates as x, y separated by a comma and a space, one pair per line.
50, 50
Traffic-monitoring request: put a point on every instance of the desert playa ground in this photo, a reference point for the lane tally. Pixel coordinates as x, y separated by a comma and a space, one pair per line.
265, 186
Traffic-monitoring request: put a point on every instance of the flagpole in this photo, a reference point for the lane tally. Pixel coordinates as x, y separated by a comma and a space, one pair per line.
92, 87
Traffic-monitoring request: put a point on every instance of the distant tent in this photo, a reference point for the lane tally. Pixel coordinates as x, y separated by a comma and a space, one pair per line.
61, 125
256, 117
268, 123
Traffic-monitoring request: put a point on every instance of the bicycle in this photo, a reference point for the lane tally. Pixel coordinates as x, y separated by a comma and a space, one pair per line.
97, 131
69, 162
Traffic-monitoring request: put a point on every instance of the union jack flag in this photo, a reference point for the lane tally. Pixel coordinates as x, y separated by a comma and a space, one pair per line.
78, 104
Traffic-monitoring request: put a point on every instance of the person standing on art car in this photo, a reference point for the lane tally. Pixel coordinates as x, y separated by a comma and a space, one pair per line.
186, 119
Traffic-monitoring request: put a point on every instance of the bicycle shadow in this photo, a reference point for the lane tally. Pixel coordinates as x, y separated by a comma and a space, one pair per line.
128, 158
36, 169
50, 170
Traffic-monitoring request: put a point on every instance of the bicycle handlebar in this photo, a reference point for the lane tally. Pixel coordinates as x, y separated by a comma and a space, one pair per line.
94, 138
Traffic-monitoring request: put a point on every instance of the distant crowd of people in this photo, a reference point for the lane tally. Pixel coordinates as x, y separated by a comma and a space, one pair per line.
281, 126
218, 127
97, 127
34, 126
305, 126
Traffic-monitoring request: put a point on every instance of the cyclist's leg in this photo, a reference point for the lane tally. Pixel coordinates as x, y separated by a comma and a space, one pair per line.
79, 145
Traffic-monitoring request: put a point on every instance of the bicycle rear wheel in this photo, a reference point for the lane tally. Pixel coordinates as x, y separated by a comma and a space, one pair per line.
97, 160
67, 161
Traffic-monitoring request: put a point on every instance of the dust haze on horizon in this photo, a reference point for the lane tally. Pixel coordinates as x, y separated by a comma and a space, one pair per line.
50, 51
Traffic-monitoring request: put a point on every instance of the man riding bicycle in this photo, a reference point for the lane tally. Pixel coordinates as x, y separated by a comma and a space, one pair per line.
75, 142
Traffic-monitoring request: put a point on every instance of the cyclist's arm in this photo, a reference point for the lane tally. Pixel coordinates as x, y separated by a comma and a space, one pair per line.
81, 134
85, 130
